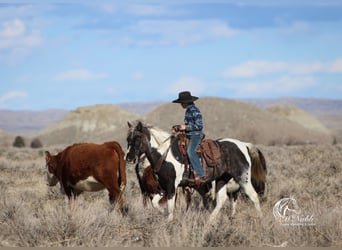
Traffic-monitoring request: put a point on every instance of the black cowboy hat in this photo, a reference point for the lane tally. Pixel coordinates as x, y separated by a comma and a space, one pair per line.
185, 97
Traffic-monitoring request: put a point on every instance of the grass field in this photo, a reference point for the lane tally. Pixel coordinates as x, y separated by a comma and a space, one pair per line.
33, 214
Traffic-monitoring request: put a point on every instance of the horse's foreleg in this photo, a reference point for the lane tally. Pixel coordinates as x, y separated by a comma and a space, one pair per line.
170, 207
221, 197
156, 202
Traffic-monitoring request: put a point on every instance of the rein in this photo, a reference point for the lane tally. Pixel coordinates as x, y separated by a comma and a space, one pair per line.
160, 143
163, 157
161, 160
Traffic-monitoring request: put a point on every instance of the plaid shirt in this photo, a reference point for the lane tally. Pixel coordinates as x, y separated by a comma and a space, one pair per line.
193, 120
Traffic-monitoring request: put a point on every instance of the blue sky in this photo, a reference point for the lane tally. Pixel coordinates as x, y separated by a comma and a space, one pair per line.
68, 54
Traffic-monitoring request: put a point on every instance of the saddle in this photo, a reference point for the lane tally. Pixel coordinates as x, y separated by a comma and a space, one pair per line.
208, 151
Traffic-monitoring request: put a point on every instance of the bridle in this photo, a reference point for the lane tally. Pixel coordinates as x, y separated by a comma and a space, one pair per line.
142, 155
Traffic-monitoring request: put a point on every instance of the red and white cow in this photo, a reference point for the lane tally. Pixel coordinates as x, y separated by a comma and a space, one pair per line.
89, 167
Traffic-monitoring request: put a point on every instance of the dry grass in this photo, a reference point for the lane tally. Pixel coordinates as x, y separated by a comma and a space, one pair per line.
31, 214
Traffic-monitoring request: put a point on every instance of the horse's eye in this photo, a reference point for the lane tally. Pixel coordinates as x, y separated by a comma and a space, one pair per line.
137, 141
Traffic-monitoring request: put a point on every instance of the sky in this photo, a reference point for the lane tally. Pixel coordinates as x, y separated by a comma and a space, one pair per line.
58, 54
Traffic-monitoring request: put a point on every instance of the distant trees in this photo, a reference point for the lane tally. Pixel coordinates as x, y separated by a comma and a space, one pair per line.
19, 142
36, 143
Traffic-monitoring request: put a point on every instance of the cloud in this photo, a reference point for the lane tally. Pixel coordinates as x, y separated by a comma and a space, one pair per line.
14, 33
79, 75
177, 32
260, 67
147, 10
194, 85
288, 3
286, 85
138, 75
17, 40
11, 96
336, 66
108, 8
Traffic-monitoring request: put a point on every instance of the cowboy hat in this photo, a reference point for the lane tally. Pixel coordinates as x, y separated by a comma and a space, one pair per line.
185, 97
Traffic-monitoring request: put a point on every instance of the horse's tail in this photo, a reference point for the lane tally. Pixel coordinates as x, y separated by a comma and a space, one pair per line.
122, 163
259, 169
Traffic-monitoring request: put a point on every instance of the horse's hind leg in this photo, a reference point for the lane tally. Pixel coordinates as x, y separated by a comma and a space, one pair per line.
233, 201
252, 194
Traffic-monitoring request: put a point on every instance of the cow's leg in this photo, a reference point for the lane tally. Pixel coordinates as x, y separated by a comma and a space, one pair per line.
115, 194
68, 191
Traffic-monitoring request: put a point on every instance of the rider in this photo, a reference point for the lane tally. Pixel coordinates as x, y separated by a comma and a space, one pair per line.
193, 126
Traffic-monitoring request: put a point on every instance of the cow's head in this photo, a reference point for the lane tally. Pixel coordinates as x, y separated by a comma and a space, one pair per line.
51, 166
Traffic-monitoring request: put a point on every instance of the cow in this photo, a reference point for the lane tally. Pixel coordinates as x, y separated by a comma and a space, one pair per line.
89, 167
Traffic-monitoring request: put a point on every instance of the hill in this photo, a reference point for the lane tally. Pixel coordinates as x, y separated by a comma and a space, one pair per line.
327, 111
6, 139
222, 117
313, 106
299, 116
230, 118
93, 123
26, 122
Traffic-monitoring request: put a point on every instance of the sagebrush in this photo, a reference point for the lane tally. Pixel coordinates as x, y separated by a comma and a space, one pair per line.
33, 215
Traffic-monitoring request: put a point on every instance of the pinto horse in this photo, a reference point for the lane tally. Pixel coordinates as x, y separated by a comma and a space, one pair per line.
89, 167
241, 163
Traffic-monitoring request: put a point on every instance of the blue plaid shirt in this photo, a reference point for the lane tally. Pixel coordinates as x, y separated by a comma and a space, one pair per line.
193, 120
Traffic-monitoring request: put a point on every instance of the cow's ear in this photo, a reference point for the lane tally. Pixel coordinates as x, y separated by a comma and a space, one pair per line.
47, 155
129, 124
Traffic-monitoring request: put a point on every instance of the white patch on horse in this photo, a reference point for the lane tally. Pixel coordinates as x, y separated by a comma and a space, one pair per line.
89, 184
232, 186
155, 202
221, 198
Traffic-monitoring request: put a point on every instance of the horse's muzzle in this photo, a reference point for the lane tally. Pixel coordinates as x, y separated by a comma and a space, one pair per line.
131, 160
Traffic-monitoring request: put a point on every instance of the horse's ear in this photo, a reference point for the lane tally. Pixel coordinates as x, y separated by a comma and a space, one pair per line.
129, 124
140, 127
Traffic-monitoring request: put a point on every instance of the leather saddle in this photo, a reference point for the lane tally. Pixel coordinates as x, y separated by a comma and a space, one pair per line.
208, 151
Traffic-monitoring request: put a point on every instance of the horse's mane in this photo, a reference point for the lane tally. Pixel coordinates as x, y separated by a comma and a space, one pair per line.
159, 134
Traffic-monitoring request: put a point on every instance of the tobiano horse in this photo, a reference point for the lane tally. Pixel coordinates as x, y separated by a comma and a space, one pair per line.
89, 167
243, 167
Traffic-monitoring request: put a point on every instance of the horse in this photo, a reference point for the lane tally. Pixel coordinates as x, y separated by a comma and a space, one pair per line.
241, 162
89, 167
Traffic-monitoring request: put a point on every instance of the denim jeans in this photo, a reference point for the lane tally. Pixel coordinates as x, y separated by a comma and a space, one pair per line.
195, 140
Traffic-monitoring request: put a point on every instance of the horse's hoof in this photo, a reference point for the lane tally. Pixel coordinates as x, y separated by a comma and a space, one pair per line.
124, 210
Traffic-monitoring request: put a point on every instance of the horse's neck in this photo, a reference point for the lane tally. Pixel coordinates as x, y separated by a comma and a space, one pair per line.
159, 139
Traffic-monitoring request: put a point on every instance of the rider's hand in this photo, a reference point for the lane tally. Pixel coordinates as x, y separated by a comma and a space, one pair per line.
182, 127
175, 129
